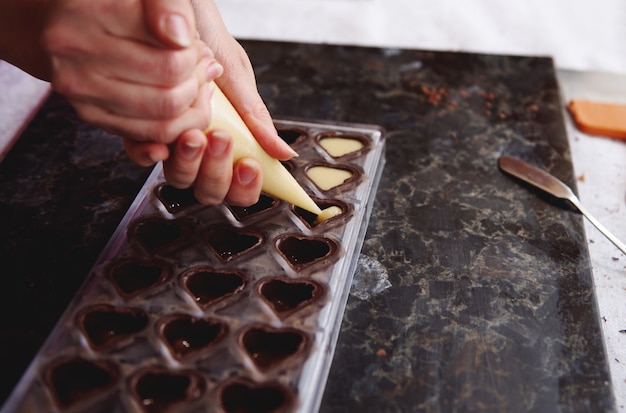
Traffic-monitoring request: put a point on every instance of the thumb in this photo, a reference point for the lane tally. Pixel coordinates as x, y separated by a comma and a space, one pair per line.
172, 22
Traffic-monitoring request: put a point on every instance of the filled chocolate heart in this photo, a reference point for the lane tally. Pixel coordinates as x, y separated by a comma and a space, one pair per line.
185, 335
310, 219
343, 145
159, 235
133, 276
301, 251
242, 395
269, 347
229, 242
330, 177
76, 379
208, 286
105, 325
157, 389
286, 296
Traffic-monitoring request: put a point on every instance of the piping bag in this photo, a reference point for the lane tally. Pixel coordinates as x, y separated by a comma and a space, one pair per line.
277, 181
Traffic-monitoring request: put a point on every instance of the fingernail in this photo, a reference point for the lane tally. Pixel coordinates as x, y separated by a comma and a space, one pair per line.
214, 70
218, 143
190, 149
246, 173
176, 28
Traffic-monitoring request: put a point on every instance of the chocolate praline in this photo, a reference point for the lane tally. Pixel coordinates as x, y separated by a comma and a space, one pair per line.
286, 296
243, 395
302, 251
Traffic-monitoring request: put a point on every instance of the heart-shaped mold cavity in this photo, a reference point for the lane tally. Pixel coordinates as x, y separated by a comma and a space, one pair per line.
301, 251
242, 395
292, 136
208, 286
270, 347
229, 243
134, 276
185, 335
74, 380
104, 325
329, 177
286, 296
289, 166
265, 203
340, 145
176, 199
310, 219
159, 235
159, 390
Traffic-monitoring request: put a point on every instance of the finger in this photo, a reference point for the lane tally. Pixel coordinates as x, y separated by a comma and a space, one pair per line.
171, 21
216, 168
182, 167
146, 130
239, 85
132, 99
246, 183
145, 154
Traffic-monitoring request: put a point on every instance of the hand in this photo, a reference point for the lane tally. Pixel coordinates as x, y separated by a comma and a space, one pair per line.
200, 162
135, 68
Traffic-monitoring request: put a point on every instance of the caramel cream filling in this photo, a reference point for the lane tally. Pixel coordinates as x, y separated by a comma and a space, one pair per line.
337, 146
326, 177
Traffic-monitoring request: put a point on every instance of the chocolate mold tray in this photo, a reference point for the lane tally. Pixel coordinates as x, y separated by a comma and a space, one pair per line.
215, 309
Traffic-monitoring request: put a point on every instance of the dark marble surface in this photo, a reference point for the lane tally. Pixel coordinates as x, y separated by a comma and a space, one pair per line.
490, 305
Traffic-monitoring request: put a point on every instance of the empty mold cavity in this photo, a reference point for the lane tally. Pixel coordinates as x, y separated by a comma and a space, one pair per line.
311, 220
243, 395
264, 204
105, 325
327, 177
133, 276
159, 390
186, 335
75, 380
286, 296
292, 136
176, 199
270, 347
301, 251
208, 286
159, 235
229, 242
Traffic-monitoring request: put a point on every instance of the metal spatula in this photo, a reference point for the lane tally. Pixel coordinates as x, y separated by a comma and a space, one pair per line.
553, 186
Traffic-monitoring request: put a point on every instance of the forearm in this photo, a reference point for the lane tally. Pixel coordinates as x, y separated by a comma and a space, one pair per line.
21, 23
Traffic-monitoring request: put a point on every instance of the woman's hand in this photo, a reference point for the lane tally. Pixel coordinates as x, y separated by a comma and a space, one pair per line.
207, 164
135, 68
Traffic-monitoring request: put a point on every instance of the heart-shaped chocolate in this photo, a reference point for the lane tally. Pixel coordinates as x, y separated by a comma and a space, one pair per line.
265, 203
230, 242
302, 251
269, 347
292, 136
105, 325
157, 389
159, 235
76, 379
133, 276
176, 199
242, 395
208, 286
185, 335
310, 219
286, 296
